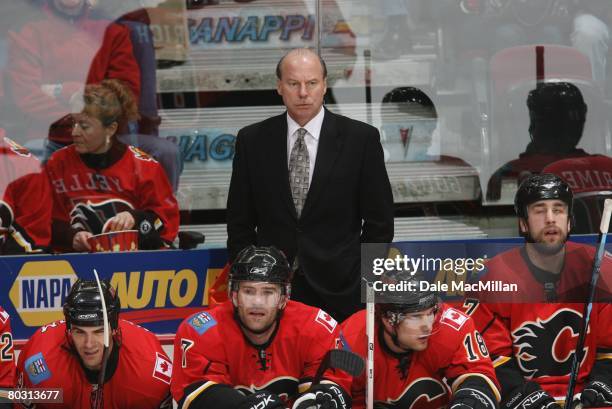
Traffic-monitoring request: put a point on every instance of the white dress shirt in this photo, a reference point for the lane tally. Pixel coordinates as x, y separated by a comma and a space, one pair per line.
313, 128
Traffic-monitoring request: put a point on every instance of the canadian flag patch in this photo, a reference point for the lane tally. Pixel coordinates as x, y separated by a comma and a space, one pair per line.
326, 320
163, 368
453, 318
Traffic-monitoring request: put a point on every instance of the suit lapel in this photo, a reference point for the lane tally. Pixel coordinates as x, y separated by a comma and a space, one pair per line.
330, 143
279, 160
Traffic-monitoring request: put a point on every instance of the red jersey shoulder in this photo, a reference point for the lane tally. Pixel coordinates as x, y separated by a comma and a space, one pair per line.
301, 314
353, 333
54, 331
208, 323
503, 263
42, 355
144, 351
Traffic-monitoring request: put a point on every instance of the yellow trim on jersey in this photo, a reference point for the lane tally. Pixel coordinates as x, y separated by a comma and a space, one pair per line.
603, 355
500, 361
303, 387
21, 241
491, 384
193, 395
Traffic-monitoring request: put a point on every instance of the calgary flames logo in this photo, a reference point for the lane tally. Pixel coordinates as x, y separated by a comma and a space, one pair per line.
92, 216
546, 347
141, 154
423, 393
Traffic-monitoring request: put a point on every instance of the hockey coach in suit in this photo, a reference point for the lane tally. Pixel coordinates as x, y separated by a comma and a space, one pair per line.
314, 184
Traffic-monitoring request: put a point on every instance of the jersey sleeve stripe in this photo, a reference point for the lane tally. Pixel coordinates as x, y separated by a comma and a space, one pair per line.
603, 355
499, 361
463, 377
193, 395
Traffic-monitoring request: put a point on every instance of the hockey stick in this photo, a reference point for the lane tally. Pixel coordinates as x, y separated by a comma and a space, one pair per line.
588, 306
333, 359
370, 334
347, 361
98, 398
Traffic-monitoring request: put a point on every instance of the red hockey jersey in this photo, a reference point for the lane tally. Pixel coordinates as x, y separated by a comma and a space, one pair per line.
69, 53
591, 173
542, 336
141, 379
25, 200
210, 346
136, 181
7, 358
455, 351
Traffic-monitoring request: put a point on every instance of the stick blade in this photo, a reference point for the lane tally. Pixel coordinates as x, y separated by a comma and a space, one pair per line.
347, 361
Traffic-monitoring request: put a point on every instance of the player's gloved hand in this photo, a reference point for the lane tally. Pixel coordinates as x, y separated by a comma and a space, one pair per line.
470, 398
380, 405
529, 396
596, 393
263, 400
323, 396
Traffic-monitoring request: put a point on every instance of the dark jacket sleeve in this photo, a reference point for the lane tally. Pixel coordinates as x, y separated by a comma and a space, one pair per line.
241, 214
376, 198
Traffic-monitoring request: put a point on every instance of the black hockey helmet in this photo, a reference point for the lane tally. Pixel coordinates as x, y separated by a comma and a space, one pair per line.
557, 114
261, 264
83, 305
410, 95
393, 305
544, 186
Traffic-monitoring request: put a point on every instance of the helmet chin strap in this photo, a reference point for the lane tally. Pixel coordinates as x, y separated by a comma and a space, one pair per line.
394, 337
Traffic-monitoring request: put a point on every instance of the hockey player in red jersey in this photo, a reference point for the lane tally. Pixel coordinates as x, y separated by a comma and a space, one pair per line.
25, 201
426, 354
7, 358
532, 334
258, 349
102, 185
69, 355
590, 178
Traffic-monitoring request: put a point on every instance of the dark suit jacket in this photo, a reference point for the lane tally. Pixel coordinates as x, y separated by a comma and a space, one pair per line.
349, 202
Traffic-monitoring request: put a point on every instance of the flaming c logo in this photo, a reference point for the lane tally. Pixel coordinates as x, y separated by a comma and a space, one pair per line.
546, 347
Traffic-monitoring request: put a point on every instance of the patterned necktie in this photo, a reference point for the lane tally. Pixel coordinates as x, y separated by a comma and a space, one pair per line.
299, 169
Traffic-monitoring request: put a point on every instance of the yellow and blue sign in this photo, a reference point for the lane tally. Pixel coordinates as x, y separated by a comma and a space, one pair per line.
157, 289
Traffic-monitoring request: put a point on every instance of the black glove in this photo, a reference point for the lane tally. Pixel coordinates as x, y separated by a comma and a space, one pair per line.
470, 398
263, 400
595, 394
324, 396
380, 405
529, 396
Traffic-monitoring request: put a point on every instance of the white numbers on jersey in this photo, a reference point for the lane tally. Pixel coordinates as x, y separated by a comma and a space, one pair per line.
185, 345
470, 305
6, 347
471, 351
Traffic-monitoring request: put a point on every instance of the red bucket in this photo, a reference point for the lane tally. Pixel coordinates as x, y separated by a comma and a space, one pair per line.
125, 240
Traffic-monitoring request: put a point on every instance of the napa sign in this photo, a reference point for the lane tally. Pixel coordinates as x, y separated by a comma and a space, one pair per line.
156, 289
